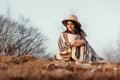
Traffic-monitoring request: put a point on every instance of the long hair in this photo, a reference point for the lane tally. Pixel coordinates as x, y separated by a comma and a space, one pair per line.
77, 29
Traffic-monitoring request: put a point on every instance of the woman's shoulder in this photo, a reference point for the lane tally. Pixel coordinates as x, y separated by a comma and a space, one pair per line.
64, 32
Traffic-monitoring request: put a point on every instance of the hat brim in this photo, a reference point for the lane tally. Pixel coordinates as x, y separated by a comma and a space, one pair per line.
64, 22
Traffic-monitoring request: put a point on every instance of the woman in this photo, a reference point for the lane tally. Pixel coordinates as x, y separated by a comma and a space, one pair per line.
73, 38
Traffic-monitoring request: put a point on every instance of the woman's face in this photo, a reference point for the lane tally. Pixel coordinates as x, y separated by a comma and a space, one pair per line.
70, 26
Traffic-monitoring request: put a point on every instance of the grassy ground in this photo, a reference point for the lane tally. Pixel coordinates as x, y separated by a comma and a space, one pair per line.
32, 68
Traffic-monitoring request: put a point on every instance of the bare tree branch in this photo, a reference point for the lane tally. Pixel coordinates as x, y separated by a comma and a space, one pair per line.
24, 38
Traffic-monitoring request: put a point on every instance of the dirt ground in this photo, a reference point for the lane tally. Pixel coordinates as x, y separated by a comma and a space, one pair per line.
32, 68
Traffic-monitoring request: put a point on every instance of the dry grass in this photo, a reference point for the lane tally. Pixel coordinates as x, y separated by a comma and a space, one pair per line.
32, 68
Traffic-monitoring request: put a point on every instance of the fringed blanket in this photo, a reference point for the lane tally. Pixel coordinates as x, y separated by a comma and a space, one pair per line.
85, 53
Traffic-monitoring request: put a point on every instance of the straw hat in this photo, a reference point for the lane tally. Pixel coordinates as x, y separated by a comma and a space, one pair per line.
71, 18
74, 19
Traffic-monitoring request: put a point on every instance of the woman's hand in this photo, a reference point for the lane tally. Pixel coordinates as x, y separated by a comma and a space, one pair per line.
73, 43
79, 43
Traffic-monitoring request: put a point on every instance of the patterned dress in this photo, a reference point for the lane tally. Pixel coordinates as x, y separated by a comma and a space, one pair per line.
84, 53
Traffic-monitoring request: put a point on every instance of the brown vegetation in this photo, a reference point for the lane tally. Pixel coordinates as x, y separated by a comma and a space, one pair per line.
31, 68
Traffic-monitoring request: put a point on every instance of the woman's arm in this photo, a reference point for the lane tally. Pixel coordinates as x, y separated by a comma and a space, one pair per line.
79, 43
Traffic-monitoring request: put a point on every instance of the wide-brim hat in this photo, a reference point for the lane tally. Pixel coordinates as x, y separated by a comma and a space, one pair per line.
71, 18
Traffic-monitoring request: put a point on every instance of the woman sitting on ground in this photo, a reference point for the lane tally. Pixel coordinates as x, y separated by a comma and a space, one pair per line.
73, 38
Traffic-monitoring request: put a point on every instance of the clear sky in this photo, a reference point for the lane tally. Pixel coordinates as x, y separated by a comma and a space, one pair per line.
99, 18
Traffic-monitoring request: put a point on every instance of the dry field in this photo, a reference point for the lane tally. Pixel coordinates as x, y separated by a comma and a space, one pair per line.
32, 68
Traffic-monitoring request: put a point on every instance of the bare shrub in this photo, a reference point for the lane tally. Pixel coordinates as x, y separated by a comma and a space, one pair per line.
20, 37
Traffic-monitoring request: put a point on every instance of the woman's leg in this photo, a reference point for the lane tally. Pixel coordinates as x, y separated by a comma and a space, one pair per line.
81, 59
73, 54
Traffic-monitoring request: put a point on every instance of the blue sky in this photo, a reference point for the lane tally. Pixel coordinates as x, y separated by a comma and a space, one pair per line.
99, 18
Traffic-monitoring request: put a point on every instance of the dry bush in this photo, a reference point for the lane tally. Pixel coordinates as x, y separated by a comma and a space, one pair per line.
20, 37
31, 68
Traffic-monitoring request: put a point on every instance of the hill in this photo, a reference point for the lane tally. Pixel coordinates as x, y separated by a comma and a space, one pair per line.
29, 67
